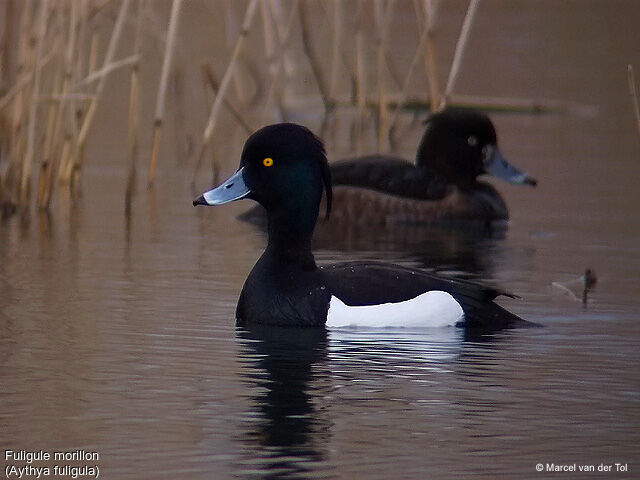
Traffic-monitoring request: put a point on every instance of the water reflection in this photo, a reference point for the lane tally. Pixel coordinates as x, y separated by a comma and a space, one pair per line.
290, 430
8, 344
302, 381
458, 249
429, 346
426, 348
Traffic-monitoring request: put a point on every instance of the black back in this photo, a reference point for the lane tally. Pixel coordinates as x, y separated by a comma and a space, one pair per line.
390, 175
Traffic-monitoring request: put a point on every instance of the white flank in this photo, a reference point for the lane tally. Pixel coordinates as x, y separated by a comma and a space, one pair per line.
431, 309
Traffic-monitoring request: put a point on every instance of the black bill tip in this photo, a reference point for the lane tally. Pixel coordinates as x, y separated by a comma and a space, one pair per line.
200, 201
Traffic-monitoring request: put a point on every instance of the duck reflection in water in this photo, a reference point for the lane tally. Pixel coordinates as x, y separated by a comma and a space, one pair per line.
292, 430
293, 375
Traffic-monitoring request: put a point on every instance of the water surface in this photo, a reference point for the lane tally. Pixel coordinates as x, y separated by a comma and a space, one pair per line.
118, 336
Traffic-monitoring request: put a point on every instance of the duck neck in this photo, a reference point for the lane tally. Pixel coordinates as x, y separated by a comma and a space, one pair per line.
290, 241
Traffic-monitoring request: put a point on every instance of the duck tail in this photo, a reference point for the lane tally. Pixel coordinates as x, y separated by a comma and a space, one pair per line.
494, 318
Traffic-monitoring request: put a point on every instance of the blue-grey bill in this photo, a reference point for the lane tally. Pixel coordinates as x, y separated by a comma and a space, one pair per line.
234, 188
498, 166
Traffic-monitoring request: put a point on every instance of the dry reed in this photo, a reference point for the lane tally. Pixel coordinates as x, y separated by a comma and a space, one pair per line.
459, 52
76, 162
431, 66
314, 62
224, 84
162, 89
336, 46
6, 52
133, 111
360, 77
54, 76
422, 45
213, 86
383, 18
33, 110
67, 101
282, 33
270, 45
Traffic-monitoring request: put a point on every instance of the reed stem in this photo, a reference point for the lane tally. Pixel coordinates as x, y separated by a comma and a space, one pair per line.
133, 111
17, 88
33, 110
311, 56
360, 77
430, 49
383, 18
459, 52
282, 35
55, 110
207, 135
162, 89
65, 102
224, 84
5, 63
107, 69
88, 118
269, 46
213, 85
336, 45
424, 36
380, 73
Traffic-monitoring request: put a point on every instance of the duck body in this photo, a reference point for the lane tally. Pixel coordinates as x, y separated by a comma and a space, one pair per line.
284, 168
389, 174
365, 207
287, 294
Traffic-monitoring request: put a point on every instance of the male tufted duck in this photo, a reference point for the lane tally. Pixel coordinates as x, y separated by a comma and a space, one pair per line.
284, 168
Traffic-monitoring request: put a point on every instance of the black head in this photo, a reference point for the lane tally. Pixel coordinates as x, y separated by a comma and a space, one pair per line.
284, 168
459, 144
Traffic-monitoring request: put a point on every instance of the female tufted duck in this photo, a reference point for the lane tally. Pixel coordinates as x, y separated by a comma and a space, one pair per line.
458, 145
284, 168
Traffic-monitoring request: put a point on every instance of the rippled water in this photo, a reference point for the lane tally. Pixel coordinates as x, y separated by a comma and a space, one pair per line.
118, 336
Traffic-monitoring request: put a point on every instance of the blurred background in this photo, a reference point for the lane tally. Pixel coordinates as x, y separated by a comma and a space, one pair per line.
117, 298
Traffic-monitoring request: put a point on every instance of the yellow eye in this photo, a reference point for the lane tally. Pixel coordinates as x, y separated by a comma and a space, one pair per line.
267, 162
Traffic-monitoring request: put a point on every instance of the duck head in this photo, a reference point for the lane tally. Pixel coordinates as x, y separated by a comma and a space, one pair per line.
284, 168
461, 144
